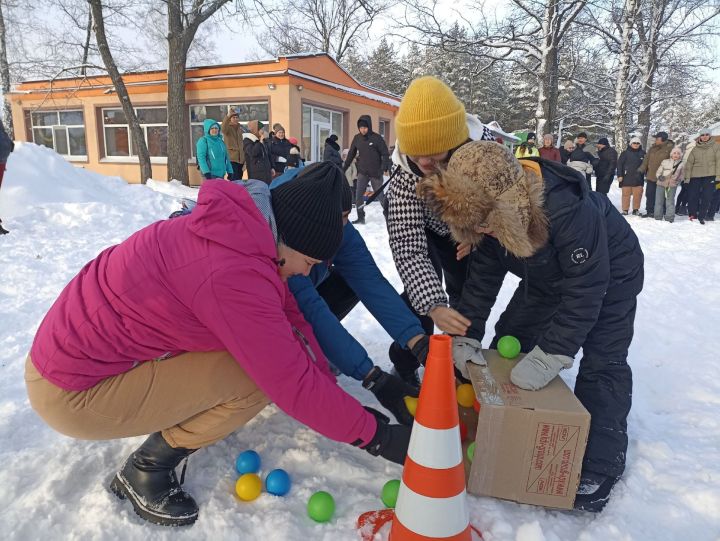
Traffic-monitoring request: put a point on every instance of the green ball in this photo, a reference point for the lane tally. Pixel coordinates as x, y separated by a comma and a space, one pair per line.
471, 451
390, 493
321, 506
508, 347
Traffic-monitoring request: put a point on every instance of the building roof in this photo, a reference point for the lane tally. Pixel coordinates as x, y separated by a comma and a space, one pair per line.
318, 68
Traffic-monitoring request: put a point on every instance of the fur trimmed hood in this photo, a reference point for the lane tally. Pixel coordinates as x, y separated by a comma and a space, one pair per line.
485, 187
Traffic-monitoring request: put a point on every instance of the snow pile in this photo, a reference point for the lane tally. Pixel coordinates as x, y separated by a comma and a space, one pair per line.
61, 216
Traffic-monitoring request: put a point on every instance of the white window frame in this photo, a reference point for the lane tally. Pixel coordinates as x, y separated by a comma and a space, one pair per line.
133, 158
227, 106
318, 145
64, 127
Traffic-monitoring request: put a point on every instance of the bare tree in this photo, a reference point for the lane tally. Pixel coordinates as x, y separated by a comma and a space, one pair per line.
183, 24
330, 26
136, 131
620, 112
530, 37
5, 73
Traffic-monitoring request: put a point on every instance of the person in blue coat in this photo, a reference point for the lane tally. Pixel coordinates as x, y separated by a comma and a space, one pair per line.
331, 291
212, 155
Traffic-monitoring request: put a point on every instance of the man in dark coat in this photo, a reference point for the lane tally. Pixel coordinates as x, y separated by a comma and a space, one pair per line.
629, 176
581, 154
331, 153
373, 161
581, 269
257, 157
6, 147
605, 166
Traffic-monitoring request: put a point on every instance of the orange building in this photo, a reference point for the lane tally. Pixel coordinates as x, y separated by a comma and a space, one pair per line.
310, 95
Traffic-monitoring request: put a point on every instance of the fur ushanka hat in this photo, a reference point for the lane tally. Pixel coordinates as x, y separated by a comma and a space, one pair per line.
484, 186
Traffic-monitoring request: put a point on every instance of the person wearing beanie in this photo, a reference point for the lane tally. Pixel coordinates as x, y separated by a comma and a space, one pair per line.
232, 134
257, 155
187, 330
279, 149
656, 154
582, 157
528, 148
581, 269
329, 293
430, 124
630, 178
703, 170
331, 153
548, 151
605, 165
373, 159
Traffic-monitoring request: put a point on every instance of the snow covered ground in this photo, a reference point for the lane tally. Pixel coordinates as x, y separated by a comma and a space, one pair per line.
56, 488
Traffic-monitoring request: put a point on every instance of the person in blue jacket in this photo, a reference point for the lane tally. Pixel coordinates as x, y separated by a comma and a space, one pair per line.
330, 292
212, 155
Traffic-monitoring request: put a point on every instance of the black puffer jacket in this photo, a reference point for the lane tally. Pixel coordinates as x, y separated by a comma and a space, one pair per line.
374, 156
628, 167
257, 159
6, 144
592, 255
279, 148
606, 164
332, 152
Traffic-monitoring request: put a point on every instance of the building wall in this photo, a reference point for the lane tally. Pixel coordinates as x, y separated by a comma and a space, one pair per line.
285, 106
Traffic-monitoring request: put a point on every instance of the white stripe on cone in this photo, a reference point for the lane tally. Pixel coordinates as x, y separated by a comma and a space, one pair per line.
435, 448
432, 517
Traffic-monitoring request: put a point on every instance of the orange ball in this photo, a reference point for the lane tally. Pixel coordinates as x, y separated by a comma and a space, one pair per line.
465, 395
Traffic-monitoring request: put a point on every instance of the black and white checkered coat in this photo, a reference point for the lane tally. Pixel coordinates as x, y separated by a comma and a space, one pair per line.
408, 218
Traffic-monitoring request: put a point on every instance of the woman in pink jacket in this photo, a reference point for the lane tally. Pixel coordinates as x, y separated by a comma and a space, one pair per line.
187, 329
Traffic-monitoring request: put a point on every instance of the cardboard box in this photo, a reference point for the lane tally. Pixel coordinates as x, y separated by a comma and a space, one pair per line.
529, 445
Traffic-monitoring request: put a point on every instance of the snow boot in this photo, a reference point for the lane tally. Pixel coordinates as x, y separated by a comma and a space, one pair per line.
682, 210
149, 481
594, 491
624, 212
3, 231
636, 212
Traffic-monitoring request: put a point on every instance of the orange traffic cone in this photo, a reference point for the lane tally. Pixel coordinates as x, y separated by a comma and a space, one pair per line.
432, 503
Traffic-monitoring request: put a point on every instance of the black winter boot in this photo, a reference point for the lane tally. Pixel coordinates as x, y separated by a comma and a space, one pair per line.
594, 491
3, 231
148, 480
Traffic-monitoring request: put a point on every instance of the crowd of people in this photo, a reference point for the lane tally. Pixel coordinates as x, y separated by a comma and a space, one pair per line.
239, 301
656, 172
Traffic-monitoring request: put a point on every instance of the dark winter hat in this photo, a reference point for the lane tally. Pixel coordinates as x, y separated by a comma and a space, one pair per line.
308, 210
347, 197
278, 127
334, 138
662, 135
582, 134
603, 141
362, 123
532, 136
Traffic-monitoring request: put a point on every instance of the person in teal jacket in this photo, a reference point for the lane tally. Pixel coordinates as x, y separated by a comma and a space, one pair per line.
212, 155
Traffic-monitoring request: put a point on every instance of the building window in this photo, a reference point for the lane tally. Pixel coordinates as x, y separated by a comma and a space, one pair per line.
246, 112
63, 131
153, 121
318, 125
384, 130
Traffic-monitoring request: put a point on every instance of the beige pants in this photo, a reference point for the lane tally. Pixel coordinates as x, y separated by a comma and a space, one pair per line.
636, 193
195, 399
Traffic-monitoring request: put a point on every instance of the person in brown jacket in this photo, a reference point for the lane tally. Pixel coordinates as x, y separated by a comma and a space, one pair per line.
233, 135
655, 155
548, 151
703, 170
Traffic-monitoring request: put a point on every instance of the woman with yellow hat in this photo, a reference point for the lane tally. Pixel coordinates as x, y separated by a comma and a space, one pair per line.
430, 124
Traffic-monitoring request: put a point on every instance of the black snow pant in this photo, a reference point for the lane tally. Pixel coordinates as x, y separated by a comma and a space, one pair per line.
443, 255
714, 204
604, 380
650, 189
682, 199
701, 194
602, 185
237, 171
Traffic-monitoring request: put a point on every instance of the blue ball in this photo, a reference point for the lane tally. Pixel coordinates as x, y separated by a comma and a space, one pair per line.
277, 482
247, 462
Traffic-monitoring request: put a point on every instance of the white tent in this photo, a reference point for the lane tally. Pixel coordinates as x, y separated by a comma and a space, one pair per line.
497, 131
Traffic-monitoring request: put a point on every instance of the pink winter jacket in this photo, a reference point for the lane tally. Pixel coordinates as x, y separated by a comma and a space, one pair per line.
203, 282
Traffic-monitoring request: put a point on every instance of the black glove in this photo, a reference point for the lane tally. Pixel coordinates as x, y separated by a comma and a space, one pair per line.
420, 349
390, 441
208, 176
391, 392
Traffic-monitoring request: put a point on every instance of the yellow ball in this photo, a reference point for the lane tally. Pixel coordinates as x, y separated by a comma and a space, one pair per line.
248, 487
465, 395
411, 404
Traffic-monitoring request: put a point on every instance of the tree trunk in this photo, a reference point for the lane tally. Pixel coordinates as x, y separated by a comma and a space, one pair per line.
178, 136
548, 73
138, 138
646, 98
620, 110
649, 65
86, 45
5, 77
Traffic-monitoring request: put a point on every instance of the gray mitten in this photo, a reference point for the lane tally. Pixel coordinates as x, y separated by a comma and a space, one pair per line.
466, 350
538, 368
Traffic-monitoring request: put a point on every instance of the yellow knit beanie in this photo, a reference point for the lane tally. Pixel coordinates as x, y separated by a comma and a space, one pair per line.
431, 120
